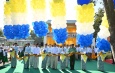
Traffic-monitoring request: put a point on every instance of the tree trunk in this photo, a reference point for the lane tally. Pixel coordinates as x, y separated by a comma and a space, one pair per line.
109, 8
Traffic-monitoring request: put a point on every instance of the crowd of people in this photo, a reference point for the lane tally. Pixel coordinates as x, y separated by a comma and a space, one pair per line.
30, 55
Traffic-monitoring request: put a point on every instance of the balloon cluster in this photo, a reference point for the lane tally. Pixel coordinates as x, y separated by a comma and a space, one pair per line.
16, 31
58, 8
58, 24
18, 6
102, 42
7, 13
82, 2
39, 17
39, 10
85, 20
60, 35
40, 28
84, 40
114, 3
16, 27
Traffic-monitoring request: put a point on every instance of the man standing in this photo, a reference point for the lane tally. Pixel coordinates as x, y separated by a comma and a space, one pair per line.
36, 52
49, 57
13, 59
27, 53
54, 57
44, 61
72, 51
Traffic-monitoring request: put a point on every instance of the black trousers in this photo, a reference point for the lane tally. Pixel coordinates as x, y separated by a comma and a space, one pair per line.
72, 61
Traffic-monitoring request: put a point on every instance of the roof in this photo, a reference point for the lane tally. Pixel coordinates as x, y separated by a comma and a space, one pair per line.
68, 21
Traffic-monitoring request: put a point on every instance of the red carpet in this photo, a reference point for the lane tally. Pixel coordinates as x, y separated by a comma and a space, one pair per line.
110, 61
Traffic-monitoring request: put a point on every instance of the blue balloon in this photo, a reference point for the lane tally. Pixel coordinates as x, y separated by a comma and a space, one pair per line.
60, 35
103, 44
114, 3
16, 31
84, 40
40, 28
8, 31
82, 2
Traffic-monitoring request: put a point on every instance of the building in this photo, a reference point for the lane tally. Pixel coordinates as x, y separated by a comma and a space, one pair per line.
71, 29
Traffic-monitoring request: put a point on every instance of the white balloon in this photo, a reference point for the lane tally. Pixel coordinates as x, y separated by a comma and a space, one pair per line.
19, 18
104, 32
39, 15
85, 28
58, 22
7, 20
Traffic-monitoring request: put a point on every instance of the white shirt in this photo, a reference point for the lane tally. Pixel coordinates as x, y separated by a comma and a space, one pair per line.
46, 49
49, 49
36, 50
54, 50
28, 49
4, 53
59, 50
89, 50
83, 50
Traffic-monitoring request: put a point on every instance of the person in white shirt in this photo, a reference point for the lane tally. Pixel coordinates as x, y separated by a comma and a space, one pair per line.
63, 62
44, 61
36, 52
59, 51
32, 57
79, 50
100, 63
67, 58
89, 52
13, 59
5, 59
83, 64
54, 58
49, 57
27, 53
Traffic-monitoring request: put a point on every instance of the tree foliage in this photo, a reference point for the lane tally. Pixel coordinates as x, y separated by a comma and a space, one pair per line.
98, 20
35, 38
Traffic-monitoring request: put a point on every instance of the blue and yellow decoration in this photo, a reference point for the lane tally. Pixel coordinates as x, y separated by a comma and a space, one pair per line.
16, 26
39, 17
102, 43
85, 20
58, 24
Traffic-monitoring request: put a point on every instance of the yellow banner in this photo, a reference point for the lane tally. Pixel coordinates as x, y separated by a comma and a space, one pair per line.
84, 57
62, 57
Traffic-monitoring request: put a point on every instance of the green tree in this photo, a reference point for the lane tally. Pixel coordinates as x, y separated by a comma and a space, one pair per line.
1, 33
98, 20
109, 8
35, 38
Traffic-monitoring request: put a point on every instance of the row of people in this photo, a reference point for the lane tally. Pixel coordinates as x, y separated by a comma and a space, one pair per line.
50, 61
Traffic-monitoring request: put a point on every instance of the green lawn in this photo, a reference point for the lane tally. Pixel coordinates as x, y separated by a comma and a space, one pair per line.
91, 68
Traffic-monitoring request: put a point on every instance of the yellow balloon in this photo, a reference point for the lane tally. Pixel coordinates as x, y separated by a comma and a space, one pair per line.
7, 9
18, 6
105, 21
57, 1
38, 4
58, 9
85, 13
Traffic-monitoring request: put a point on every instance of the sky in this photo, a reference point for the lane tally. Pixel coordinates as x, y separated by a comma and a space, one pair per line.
70, 10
